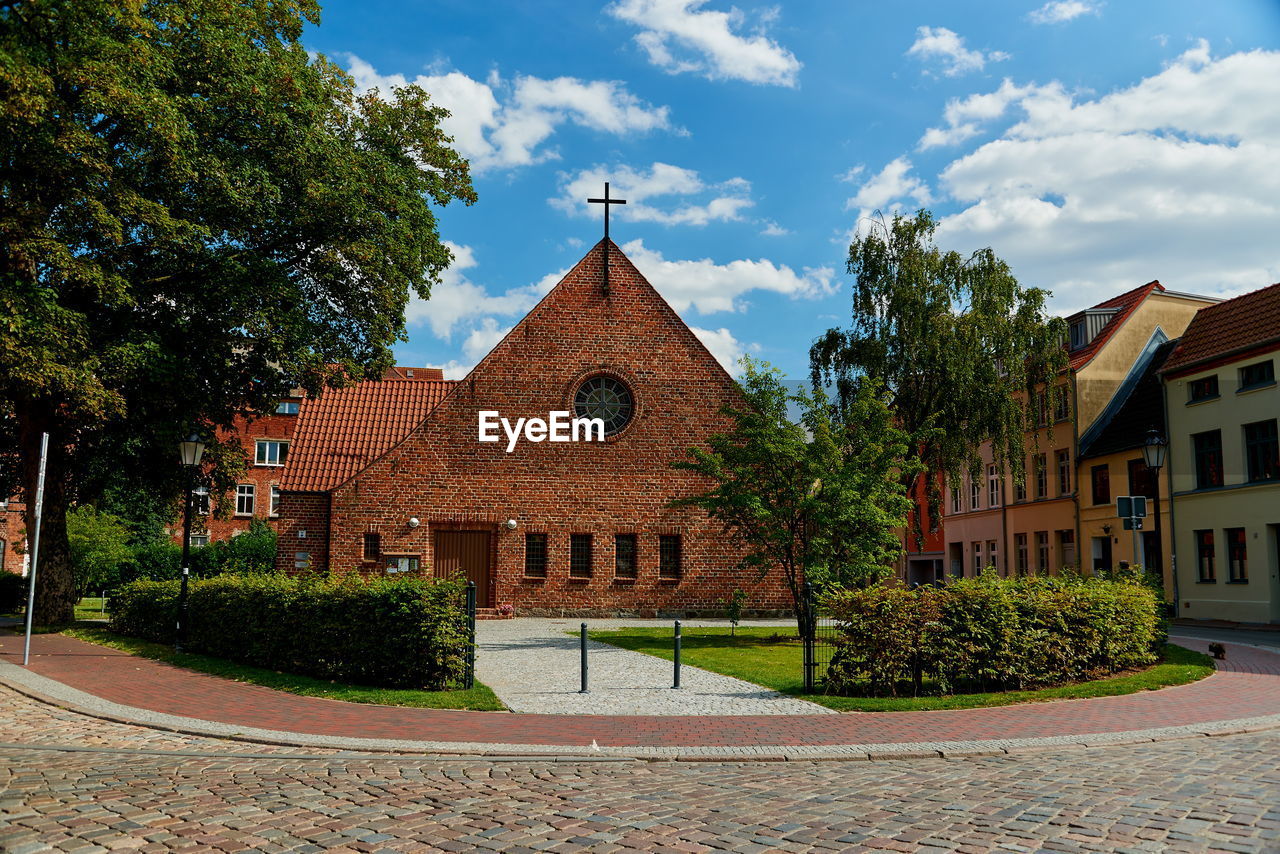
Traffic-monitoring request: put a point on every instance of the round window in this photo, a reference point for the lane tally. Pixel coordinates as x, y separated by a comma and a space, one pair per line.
605, 398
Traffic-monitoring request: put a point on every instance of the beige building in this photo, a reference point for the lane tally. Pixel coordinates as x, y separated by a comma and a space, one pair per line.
1039, 524
1222, 407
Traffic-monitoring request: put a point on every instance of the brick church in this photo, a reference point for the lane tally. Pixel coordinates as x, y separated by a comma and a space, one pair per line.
393, 475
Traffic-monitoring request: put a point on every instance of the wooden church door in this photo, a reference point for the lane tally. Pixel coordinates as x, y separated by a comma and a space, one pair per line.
466, 552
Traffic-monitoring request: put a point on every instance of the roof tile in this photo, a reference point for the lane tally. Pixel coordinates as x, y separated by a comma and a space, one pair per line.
1233, 325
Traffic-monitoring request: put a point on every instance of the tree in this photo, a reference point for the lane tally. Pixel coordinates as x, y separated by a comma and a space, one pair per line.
952, 339
819, 499
198, 216
99, 548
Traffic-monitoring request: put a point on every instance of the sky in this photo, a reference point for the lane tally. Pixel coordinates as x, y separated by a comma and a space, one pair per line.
1093, 145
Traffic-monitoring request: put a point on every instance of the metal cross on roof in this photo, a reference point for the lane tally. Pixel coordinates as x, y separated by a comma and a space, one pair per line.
606, 201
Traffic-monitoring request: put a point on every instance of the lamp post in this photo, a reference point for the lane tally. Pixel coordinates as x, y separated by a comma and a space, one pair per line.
190, 450
1153, 452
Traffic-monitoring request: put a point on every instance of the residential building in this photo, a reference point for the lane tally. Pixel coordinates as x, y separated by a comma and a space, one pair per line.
1223, 406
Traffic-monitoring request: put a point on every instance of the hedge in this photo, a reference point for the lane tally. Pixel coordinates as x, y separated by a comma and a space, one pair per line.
991, 634
397, 632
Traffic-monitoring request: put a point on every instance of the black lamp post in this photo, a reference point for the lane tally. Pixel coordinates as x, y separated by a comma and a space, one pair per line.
190, 450
1153, 452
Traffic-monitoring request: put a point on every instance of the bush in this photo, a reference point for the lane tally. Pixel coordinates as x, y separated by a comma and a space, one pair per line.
398, 632
991, 634
13, 592
254, 551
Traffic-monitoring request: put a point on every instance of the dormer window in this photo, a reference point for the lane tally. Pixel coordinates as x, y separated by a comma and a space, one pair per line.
1079, 334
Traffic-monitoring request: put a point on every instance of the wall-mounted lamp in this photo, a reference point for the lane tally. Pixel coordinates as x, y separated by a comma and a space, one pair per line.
1106, 529
511, 524
413, 522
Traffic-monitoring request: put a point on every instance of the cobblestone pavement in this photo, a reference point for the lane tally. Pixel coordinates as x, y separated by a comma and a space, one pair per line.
533, 666
1220, 794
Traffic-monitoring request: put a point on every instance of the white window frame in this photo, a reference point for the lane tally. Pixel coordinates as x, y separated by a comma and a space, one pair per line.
202, 538
200, 499
975, 495
281, 448
246, 493
993, 487
273, 508
292, 407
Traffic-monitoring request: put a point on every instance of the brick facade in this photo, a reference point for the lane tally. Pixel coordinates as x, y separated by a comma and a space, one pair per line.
443, 477
13, 536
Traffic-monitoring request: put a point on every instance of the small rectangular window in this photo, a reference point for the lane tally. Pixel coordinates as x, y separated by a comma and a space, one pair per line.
955, 501
1020, 487
244, 499
271, 452
1208, 458
1262, 451
1061, 406
993, 555
1101, 477
200, 500
1142, 480
275, 500
371, 546
1204, 556
624, 555
535, 555
1205, 388
1020, 542
993, 486
1042, 476
1064, 472
1237, 555
580, 556
1067, 547
1042, 551
1257, 374
976, 557
975, 494
287, 407
670, 556
197, 540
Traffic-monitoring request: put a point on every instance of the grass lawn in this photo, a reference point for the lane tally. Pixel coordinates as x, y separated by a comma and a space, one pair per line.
479, 698
756, 656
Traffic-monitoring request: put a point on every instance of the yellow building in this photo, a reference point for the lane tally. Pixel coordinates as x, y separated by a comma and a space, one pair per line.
1222, 407
1036, 524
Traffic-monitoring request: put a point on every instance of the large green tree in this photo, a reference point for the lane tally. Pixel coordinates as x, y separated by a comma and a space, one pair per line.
819, 497
197, 215
952, 338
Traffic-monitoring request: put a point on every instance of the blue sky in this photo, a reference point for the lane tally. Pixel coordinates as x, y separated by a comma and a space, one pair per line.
1094, 145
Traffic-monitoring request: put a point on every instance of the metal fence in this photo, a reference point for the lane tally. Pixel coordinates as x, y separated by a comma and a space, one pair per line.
820, 643
469, 678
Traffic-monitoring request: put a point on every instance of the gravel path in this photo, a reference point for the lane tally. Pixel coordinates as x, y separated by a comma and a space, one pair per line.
533, 666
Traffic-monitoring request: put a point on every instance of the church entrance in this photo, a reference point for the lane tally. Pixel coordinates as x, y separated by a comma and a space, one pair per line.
466, 552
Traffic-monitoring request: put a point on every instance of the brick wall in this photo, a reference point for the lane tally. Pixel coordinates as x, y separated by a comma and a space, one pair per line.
303, 528
13, 534
444, 477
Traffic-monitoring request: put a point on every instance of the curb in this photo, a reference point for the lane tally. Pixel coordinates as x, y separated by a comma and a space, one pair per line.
53, 693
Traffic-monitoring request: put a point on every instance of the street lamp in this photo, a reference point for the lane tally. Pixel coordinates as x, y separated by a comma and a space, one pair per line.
190, 450
1153, 452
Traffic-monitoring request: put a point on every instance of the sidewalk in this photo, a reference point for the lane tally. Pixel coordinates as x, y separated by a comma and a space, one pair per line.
1243, 696
533, 665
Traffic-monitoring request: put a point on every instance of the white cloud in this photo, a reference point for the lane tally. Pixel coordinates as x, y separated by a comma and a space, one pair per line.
772, 229
1061, 11
453, 369
500, 125
948, 48
889, 190
1176, 178
965, 115
727, 349
665, 194
680, 36
484, 338
711, 287
457, 299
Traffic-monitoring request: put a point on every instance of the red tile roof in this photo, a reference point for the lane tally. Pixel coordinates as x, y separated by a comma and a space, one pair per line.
1125, 303
1233, 326
345, 429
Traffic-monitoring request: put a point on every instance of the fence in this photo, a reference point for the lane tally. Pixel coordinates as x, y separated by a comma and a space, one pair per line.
820, 639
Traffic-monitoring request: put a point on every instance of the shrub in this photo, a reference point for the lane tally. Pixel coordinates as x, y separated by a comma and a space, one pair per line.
400, 632
13, 592
991, 633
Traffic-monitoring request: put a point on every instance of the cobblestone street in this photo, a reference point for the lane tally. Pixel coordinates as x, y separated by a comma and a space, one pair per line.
126, 793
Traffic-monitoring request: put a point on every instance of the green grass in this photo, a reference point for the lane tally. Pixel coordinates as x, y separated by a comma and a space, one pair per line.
757, 654
479, 698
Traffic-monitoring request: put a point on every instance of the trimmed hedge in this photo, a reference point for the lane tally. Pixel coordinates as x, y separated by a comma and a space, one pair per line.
991, 634
396, 632
13, 591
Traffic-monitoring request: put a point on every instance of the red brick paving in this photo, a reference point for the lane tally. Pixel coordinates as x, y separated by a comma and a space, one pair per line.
1247, 685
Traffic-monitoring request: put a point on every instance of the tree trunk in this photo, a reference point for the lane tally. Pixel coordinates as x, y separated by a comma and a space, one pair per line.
55, 582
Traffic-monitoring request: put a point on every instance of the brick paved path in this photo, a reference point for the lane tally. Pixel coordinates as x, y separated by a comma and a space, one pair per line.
1248, 686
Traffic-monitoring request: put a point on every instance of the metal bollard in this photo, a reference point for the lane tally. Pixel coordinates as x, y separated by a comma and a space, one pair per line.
677, 683
583, 645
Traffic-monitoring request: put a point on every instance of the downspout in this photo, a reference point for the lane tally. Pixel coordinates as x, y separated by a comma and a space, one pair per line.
1168, 463
1075, 445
